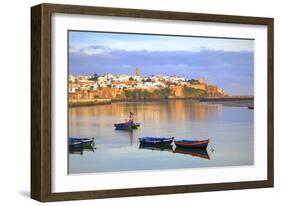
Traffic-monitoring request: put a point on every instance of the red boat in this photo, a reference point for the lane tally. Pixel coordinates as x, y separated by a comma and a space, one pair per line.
192, 143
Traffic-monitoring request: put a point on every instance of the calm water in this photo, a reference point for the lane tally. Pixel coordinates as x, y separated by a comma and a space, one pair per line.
230, 130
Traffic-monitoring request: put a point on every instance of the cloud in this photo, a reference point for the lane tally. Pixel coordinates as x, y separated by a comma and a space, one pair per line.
137, 42
90, 50
225, 68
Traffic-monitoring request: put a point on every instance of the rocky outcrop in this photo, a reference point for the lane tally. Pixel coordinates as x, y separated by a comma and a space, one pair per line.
172, 91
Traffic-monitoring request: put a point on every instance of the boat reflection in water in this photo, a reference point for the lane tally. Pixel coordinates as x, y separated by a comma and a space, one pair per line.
80, 148
167, 148
195, 152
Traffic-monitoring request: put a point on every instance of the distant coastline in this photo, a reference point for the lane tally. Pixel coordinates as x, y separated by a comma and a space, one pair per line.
109, 88
96, 90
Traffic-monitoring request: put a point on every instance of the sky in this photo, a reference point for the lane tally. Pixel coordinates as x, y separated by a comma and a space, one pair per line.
229, 63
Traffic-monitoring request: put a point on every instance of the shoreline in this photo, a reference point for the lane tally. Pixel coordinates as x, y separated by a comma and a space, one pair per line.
91, 102
222, 100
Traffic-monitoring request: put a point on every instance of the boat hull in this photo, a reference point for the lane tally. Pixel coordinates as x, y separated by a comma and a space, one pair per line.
76, 141
154, 141
192, 143
126, 126
135, 125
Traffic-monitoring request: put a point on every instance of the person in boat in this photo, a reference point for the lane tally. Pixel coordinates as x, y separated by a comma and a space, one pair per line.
131, 118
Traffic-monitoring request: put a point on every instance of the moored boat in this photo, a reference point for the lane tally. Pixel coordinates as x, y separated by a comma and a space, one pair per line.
73, 141
192, 143
126, 126
156, 141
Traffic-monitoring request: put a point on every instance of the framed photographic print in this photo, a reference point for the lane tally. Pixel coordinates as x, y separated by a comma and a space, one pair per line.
130, 102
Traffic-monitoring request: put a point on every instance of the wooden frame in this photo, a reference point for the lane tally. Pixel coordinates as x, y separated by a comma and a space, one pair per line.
41, 102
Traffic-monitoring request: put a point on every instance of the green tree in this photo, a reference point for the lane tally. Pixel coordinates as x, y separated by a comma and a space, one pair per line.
189, 91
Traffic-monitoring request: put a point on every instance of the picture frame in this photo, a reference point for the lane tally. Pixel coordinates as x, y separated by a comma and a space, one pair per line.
41, 101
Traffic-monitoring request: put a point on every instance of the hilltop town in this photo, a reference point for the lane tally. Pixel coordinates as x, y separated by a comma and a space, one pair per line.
95, 89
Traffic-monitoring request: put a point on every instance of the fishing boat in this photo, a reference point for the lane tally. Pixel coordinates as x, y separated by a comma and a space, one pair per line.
78, 141
126, 126
195, 152
192, 143
156, 141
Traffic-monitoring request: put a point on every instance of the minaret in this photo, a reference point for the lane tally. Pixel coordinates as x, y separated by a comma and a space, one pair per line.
137, 72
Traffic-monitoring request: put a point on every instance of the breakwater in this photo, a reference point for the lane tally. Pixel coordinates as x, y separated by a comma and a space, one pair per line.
226, 98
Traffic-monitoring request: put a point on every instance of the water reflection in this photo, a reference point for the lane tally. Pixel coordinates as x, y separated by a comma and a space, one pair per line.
167, 148
229, 128
195, 152
181, 110
81, 148
156, 116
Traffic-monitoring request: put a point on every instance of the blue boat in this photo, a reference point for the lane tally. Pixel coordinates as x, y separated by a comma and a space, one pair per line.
126, 126
78, 141
156, 141
192, 143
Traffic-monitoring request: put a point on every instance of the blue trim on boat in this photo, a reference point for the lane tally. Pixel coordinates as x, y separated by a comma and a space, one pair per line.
156, 140
189, 141
78, 141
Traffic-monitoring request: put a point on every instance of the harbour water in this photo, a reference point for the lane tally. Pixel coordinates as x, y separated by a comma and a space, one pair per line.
229, 128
